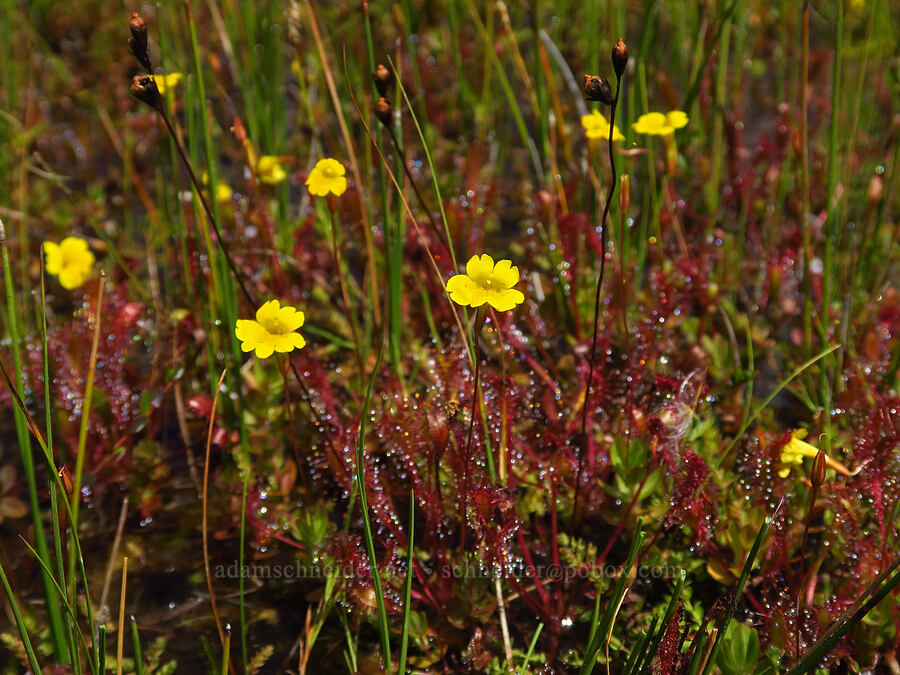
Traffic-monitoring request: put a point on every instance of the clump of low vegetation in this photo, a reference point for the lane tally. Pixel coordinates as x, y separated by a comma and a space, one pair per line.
449, 338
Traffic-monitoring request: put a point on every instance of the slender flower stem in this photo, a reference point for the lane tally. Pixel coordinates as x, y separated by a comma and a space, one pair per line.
285, 366
399, 149
480, 316
345, 294
603, 236
231, 264
206, 207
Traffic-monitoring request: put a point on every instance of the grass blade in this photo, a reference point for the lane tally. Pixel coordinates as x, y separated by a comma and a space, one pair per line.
738, 591
604, 627
364, 505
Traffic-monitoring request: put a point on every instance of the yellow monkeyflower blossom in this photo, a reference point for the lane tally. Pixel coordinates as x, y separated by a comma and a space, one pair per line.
273, 330
486, 282
269, 170
657, 124
70, 260
223, 193
597, 126
223, 190
796, 449
167, 81
327, 177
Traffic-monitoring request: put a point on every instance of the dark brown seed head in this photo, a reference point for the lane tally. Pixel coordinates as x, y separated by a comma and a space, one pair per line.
384, 78
139, 41
818, 470
144, 87
596, 88
620, 57
383, 111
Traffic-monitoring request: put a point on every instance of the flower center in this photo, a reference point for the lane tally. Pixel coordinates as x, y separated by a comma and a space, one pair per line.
70, 259
329, 172
273, 326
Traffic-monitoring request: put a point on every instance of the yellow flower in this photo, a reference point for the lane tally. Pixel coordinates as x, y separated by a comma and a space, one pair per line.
273, 330
223, 190
71, 261
657, 124
597, 126
485, 282
167, 81
269, 170
327, 177
796, 449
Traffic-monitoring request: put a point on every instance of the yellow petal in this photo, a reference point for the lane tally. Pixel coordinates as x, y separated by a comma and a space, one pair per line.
167, 81
676, 119
284, 343
503, 301
653, 124
248, 332
461, 289
480, 268
71, 278
331, 168
299, 340
506, 273
268, 312
264, 349
54, 257
290, 318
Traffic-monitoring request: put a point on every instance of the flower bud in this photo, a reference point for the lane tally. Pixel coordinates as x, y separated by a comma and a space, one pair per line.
620, 57
144, 87
596, 88
624, 193
139, 42
384, 78
65, 476
384, 111
876, 190
817, 477
239, 130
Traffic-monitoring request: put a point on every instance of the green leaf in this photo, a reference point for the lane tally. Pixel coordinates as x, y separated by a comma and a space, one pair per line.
740, 649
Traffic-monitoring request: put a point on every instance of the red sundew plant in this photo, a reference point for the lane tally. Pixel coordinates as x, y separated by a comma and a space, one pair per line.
414, 356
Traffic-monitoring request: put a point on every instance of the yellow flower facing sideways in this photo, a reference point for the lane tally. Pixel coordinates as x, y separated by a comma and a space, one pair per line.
657, 124
796, 449
597, 126
486, 282
167, 82
71, 261
269, 170
274, 330
327, 177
